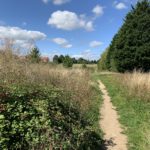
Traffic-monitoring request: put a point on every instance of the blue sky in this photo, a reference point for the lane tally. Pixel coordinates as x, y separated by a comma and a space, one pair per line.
78, 28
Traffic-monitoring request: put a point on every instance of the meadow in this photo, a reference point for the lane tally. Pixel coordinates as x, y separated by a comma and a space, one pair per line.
45, 106
71, 102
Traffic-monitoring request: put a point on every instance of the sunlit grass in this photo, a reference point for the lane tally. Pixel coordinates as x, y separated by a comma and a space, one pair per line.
133, 110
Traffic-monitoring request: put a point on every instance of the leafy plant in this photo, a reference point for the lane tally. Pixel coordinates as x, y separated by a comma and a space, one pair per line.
67, 62
40, 118
84, 66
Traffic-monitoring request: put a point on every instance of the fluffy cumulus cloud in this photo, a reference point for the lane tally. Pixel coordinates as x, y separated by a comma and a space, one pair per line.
120, 5
22, 37
67, 20
62, 42
95, 43
56, 2
98, 10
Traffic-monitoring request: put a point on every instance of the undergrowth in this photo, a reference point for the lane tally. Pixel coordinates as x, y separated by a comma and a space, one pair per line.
45, 107
36, 118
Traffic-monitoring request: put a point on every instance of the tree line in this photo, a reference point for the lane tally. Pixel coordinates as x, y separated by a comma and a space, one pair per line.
67, 61
130, 47
60, 59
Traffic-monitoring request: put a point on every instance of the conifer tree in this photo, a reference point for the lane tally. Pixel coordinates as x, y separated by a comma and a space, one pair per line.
130, 48
34, 55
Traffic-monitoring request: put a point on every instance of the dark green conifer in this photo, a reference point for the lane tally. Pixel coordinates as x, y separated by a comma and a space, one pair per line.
130, 48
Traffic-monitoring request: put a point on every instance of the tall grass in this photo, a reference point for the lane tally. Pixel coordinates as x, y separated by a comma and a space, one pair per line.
14, 70
137, 84
45, 106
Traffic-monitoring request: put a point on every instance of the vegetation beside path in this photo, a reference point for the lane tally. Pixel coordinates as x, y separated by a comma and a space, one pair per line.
134, 112
47, 107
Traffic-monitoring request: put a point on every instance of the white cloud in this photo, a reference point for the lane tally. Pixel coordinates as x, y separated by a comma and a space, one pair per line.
77, 56
95, 43
22, 37
120, 5
45, 1
68, 46
67, 20
62, 42
17, 33
56, 2
25, 44
86, 54
59, 2
98, 10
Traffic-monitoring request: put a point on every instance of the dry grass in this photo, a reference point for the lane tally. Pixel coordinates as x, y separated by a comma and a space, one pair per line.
16, 71
75, 81
138, 84
90, 67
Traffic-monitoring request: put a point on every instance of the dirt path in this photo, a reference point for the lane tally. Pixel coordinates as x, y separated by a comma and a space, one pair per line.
115, 139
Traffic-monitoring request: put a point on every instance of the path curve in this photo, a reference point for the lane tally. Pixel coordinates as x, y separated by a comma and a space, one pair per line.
115, 139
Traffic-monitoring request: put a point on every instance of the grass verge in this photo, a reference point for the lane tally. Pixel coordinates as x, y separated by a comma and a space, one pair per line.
134, 113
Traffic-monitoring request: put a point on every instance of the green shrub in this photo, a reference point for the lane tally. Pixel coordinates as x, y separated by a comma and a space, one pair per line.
39, 118
67, 62
84, 66
34, 55
102, 63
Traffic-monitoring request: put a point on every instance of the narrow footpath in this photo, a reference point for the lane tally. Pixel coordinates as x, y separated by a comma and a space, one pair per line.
115, 139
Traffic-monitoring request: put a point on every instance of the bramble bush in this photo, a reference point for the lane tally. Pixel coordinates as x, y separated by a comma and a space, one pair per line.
40, 118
